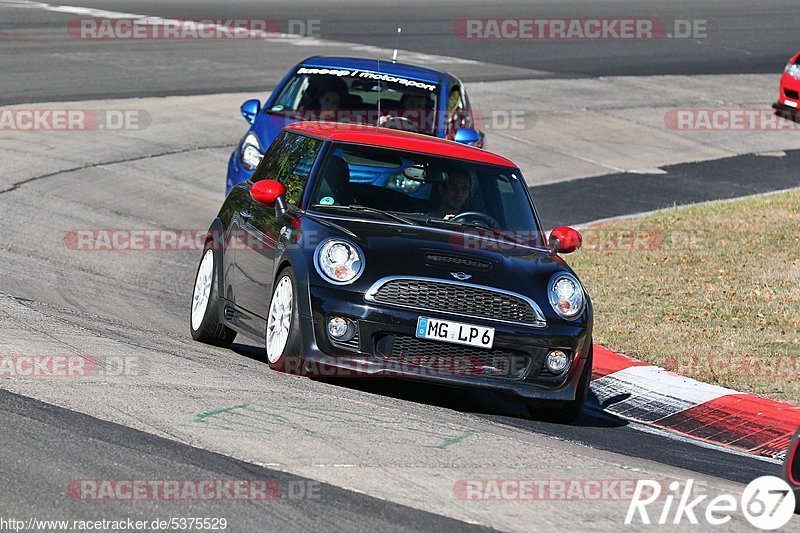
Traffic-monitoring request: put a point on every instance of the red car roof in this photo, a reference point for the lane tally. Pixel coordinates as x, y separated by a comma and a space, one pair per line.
397, 139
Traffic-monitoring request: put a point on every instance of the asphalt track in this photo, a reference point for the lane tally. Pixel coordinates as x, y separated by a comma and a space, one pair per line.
40, 62
381, 441
87, 444
610, 195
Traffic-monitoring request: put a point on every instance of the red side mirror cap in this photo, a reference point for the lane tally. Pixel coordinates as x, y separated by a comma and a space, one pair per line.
565, 240
267, 192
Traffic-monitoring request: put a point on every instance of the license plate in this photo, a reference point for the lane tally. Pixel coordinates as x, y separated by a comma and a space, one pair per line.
455, 332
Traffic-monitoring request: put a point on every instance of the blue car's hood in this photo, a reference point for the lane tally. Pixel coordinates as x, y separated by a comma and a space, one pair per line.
269, 125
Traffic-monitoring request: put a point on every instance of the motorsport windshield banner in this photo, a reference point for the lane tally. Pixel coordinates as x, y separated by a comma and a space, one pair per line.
367, 74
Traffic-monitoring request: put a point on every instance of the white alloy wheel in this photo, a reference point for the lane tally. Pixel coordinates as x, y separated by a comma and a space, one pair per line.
202, 289
280, 319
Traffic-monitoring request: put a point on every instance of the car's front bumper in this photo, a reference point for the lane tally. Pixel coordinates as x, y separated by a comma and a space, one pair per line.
788, 95
375, 322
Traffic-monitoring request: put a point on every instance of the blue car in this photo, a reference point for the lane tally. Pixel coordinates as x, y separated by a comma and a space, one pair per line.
355, 90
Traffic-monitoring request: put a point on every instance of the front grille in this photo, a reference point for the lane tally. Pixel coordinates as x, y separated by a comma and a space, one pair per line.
449, 261
790, 94
439, 358
455, 298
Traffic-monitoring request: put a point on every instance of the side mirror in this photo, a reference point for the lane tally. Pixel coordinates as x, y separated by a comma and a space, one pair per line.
565, 240
267, 192
250, 109
469, 136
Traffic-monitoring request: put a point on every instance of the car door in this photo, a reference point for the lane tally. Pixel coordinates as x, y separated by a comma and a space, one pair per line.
257, 243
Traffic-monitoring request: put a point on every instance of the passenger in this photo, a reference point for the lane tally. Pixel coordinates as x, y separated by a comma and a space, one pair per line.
328, 98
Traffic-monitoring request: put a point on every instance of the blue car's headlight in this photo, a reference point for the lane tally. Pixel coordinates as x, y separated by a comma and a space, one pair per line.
250, 154
566, 295
339, 261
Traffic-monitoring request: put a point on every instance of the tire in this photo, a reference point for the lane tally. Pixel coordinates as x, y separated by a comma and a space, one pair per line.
569, 411
282, 337
204, 322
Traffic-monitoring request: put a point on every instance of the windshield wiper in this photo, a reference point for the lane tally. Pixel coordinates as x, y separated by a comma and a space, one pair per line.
499, 234
365, 209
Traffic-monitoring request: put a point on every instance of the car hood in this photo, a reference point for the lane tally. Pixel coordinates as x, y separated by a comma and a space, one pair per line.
269, 125
399, 250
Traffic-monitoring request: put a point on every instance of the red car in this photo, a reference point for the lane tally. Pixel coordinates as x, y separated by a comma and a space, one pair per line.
789, 93
791, 469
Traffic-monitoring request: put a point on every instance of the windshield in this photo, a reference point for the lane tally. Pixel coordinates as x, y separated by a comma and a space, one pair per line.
352, 96
426, 190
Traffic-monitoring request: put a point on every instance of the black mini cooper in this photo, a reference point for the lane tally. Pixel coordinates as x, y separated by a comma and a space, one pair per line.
363, 251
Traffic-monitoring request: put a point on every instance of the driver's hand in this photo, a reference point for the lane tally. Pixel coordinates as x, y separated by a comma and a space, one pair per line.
449, 217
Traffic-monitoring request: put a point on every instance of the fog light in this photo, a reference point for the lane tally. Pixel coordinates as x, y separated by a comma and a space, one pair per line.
556, 361
337, 327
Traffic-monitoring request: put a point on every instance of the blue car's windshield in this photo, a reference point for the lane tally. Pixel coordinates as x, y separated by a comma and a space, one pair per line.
424, 189
353, 96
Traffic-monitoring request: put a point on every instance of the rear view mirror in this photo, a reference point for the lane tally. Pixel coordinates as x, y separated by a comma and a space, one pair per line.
414, 173
250, 109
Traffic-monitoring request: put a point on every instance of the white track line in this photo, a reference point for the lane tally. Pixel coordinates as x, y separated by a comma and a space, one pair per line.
292, 39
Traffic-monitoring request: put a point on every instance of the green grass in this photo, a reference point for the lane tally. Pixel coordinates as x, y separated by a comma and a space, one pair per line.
711, 291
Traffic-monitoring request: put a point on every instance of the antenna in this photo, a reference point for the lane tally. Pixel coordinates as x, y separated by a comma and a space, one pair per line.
380, 85
396, 45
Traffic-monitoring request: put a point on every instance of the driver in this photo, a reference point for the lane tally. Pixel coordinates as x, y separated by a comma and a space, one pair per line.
454, 194
414, 109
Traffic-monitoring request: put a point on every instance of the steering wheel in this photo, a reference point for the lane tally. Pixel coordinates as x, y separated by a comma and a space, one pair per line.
483, 217
398, 123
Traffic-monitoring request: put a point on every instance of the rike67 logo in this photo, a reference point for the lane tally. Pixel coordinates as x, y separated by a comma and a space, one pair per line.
767, 503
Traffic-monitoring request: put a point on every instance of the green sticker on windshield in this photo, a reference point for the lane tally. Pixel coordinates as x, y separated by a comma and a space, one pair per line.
326, 201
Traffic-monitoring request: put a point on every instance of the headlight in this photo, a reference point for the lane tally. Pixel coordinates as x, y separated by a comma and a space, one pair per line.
793, 70
251, 154
566, 295
338, 261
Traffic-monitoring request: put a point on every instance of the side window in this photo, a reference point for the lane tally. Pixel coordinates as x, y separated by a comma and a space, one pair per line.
290, 96
454, 101
457, 112
289, 161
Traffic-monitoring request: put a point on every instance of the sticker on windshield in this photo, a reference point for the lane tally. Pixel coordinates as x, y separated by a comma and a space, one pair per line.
366, 74
326, 201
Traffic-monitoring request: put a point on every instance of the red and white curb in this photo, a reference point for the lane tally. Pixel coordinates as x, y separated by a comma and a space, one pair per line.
640, 392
